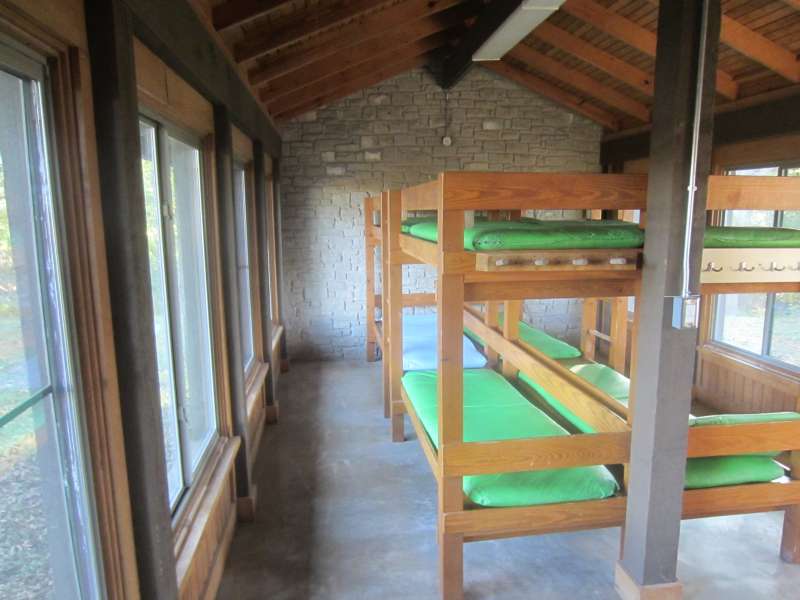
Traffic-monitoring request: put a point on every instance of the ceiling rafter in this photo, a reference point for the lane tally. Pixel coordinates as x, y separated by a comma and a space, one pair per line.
279, 34
235, 12
588, 53
365, 51
634, 35
387, 72
761, 49
548, 90
580, 81
490, 19
330, 42
341, 78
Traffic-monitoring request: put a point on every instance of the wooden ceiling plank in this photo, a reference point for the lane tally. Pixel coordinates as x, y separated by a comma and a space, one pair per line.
634, 35
389, 71
586, 84
588, 53
341, 78
235, 12
756, 47
277, 35
331, 42
548, 90
363, 52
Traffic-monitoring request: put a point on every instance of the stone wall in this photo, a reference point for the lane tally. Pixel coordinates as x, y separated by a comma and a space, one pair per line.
391, 136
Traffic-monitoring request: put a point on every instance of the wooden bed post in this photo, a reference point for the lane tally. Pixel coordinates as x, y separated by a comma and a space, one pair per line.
588, 325
450, 392
385, 301
369, 251
512, 312
618, 351
663, 384
393, 282
491, 316
790, 540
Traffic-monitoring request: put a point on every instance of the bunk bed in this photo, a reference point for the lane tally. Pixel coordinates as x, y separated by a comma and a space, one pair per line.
483, 451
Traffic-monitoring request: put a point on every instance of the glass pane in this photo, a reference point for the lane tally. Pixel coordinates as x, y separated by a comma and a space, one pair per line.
750, 218
158, 282
23, 351
35, 543
786, 323
740, 320
759, 171
243, 265
190, 298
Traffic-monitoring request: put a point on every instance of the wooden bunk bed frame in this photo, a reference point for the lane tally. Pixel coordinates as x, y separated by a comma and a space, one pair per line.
462, 279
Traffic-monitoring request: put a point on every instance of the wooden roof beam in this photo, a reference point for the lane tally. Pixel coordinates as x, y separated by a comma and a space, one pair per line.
760, 49
590, 54
634, 35
345, 77
279, 34
491, 18
575, 79
334, 41
365, 51
386, 72
235, 12
548, 90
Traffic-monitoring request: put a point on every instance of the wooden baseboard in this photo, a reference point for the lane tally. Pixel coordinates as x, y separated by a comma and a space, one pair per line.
246, 506
271, 413
628, 589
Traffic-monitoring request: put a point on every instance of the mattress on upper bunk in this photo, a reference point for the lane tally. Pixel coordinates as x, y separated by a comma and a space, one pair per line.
701, 472
534, 234
420, 342
543, 342
494, 410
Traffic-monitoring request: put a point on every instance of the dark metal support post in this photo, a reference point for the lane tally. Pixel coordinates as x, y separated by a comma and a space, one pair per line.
664, 381
262, 243
223, 149
110, 40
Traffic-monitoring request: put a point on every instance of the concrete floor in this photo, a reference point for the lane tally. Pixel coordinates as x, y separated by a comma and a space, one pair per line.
345, 514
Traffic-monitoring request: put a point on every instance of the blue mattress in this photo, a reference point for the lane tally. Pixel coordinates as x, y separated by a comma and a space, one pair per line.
420, 337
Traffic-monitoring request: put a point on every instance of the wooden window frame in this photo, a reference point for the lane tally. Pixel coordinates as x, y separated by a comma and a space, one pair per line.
77, 181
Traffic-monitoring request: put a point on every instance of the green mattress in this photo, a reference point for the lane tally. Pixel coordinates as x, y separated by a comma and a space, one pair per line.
494, 410
708, 472
533, 234
544, 342
541, 235
751, 237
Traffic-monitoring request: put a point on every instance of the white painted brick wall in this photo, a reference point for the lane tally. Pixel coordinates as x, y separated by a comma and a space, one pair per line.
389, 136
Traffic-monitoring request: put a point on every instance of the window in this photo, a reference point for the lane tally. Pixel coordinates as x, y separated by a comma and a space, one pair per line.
178, 274
47, 532
761, 324
243, 266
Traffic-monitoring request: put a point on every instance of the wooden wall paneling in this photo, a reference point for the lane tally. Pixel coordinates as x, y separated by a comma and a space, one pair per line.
110, 39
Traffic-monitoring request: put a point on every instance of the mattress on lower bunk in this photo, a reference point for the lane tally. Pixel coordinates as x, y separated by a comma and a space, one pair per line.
533, 234
703, 472
494, 410
544, 342
420, 341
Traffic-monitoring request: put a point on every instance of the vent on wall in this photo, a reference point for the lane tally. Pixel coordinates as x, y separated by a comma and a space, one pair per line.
519, 24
